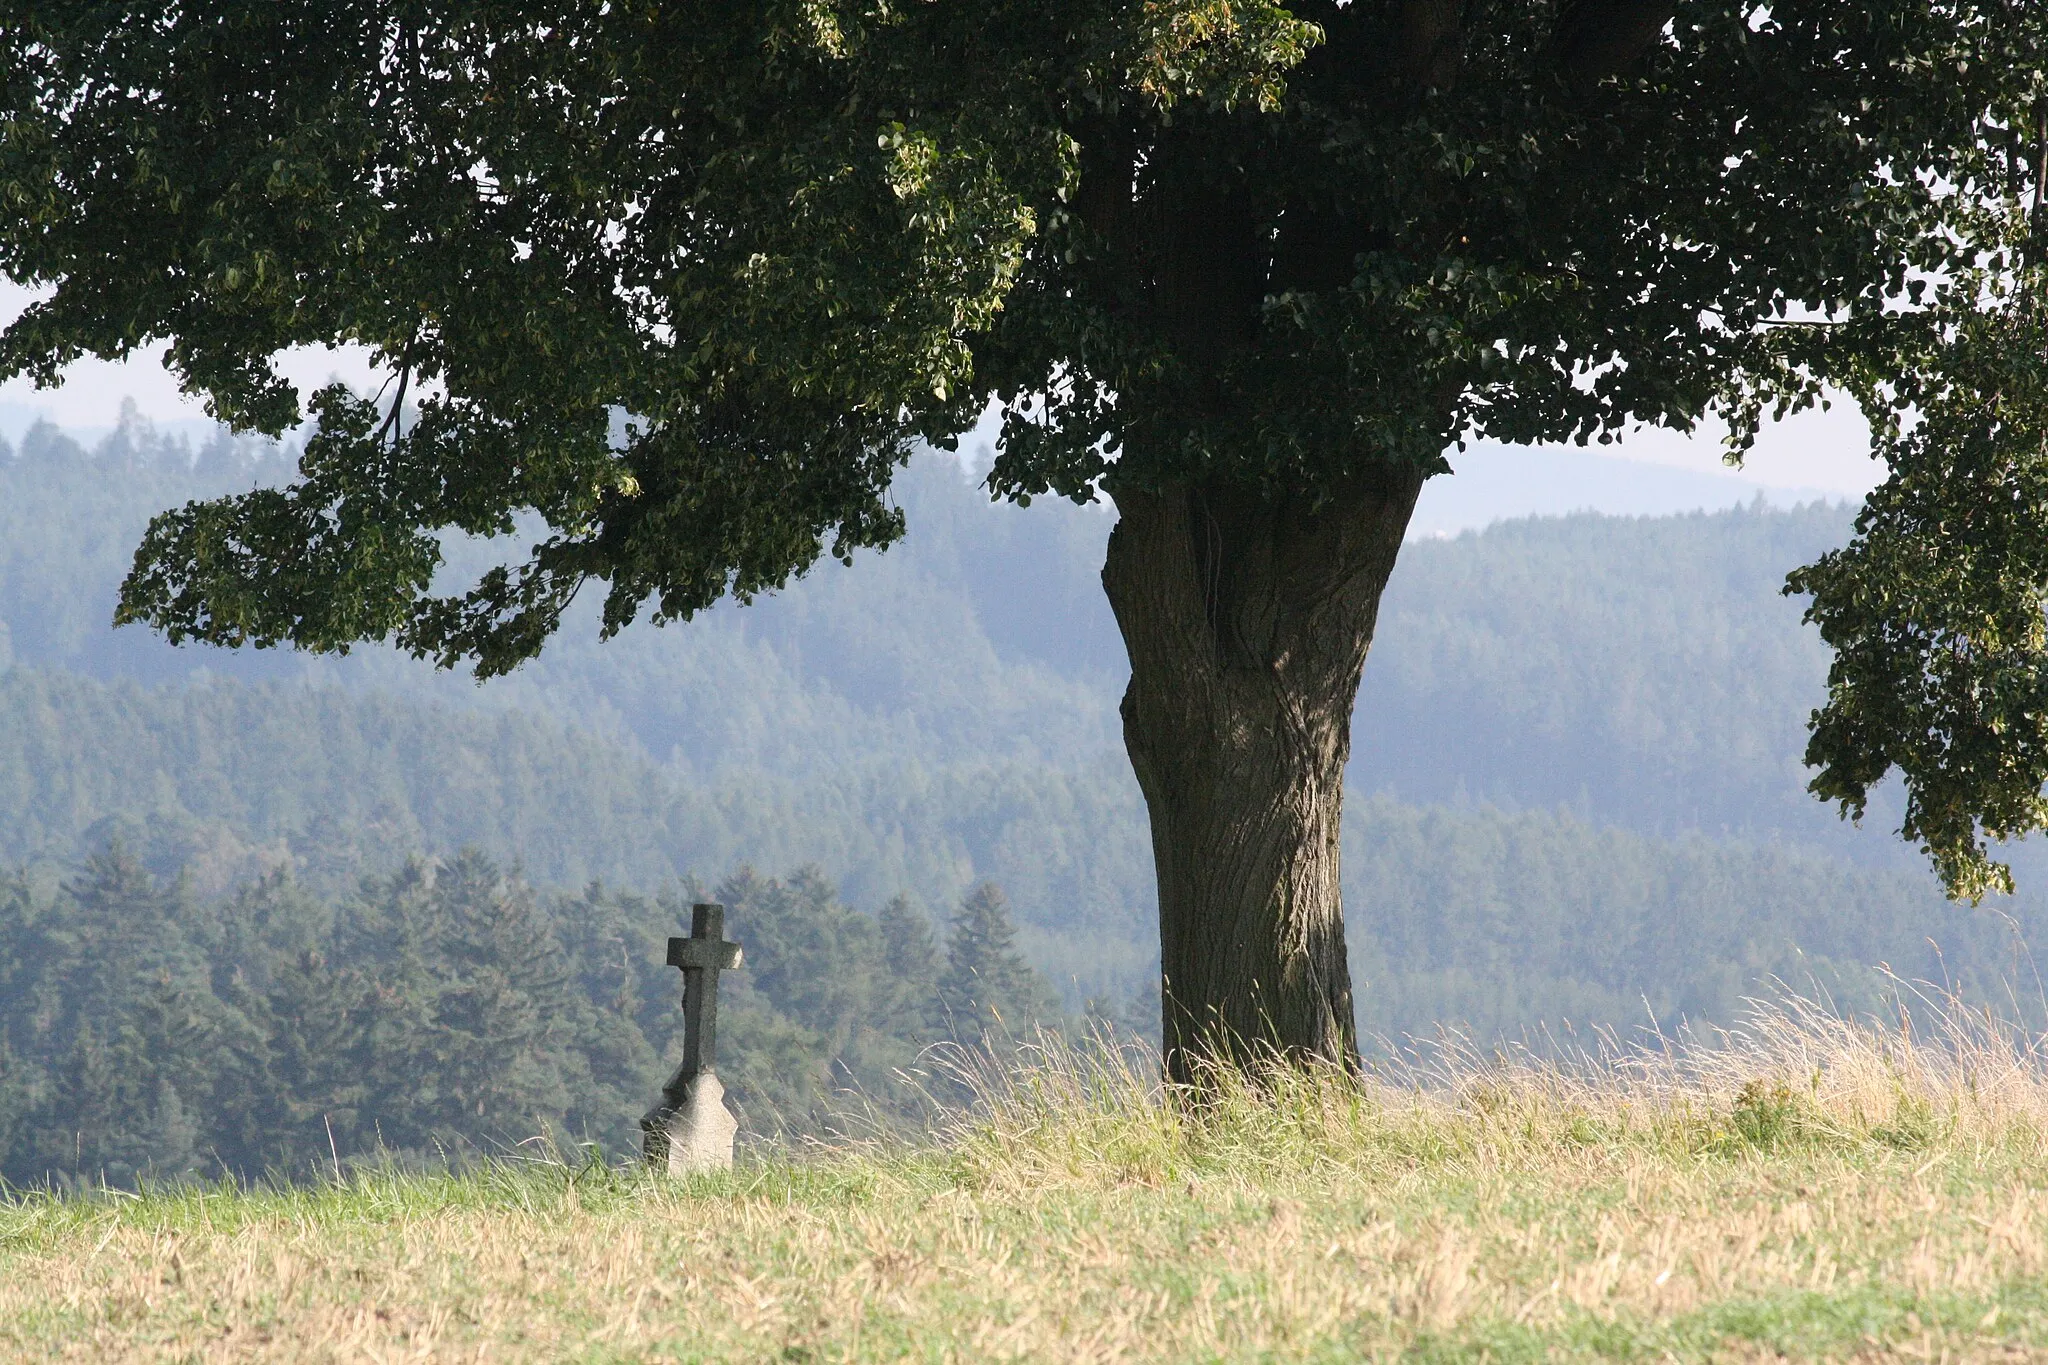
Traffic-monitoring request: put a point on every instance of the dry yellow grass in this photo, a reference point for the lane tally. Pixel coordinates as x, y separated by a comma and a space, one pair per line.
1807, 1188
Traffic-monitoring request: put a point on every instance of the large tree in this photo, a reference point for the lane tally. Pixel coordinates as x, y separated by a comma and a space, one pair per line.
1248, 267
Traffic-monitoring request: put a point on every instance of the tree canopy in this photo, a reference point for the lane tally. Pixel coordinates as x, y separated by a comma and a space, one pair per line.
1270, 244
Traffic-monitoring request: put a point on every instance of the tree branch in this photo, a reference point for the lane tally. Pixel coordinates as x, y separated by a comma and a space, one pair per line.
1108, 157
2040, 167
1428, 44
1601, 38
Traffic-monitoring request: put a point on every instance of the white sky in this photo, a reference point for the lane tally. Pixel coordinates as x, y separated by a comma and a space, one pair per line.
1811, 455
91, 394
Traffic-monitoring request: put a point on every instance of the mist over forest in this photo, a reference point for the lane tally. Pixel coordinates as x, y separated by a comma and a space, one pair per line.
1576, 790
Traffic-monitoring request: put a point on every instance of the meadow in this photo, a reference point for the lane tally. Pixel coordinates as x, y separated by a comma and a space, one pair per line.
1803, 1187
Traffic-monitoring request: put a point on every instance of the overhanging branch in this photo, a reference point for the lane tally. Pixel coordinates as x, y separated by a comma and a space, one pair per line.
1601, 38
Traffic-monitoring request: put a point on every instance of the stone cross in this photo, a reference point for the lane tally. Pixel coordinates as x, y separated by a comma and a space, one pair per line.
691, 1129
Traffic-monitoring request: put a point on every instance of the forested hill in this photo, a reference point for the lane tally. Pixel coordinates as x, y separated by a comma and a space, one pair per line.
962, 643
221, 780
1576, 782
1644, 672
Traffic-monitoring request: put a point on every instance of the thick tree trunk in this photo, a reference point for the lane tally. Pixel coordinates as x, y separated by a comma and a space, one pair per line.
1247, 619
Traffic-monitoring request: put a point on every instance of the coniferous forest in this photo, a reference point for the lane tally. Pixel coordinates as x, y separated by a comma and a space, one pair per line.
444, 1010
269, 911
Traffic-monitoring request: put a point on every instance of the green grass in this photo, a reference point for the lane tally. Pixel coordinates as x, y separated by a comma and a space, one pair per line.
1807, 1189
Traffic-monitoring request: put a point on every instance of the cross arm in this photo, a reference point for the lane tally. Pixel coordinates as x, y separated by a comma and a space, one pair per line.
700, 953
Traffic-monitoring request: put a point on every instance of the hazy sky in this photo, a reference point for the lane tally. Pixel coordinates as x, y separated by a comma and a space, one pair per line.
1810, 456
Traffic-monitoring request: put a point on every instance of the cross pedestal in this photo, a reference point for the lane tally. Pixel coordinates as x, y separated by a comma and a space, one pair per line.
691, 1129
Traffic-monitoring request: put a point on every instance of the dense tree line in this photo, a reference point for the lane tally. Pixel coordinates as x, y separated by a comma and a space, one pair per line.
1645, 672
446, 1009
222, 780
1496, 923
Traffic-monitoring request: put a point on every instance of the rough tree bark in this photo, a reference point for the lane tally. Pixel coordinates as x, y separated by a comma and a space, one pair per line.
1247, 618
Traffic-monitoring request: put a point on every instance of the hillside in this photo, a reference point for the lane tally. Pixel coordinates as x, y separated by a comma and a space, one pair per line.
1576, 784
1644, 672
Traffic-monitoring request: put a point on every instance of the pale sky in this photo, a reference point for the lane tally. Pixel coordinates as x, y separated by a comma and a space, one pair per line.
1810, 456
91, 394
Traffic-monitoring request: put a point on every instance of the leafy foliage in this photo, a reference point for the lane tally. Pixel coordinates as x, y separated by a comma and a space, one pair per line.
766, 234
1935, 611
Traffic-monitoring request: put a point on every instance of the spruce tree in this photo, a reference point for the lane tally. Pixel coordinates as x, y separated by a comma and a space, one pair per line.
988, 991
500, 1010
614, 952
20, 1086
909, 1008
319, 1063
180, 1032
96, 1124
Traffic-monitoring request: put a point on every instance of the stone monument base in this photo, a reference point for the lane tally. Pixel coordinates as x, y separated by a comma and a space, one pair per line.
695, 1135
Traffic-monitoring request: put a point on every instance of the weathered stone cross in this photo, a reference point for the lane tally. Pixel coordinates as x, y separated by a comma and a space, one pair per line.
691, 1129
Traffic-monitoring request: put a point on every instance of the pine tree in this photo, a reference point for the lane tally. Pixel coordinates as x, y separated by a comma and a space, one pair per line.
909, 1008
96, 1126
385, 934
180, 1031
612, 952
172, 1132
501, 1008
988, 990
20, 1090
311, 1086
793, 1025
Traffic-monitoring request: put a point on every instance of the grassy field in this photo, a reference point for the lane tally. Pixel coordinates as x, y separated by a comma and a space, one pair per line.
1804, 1189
